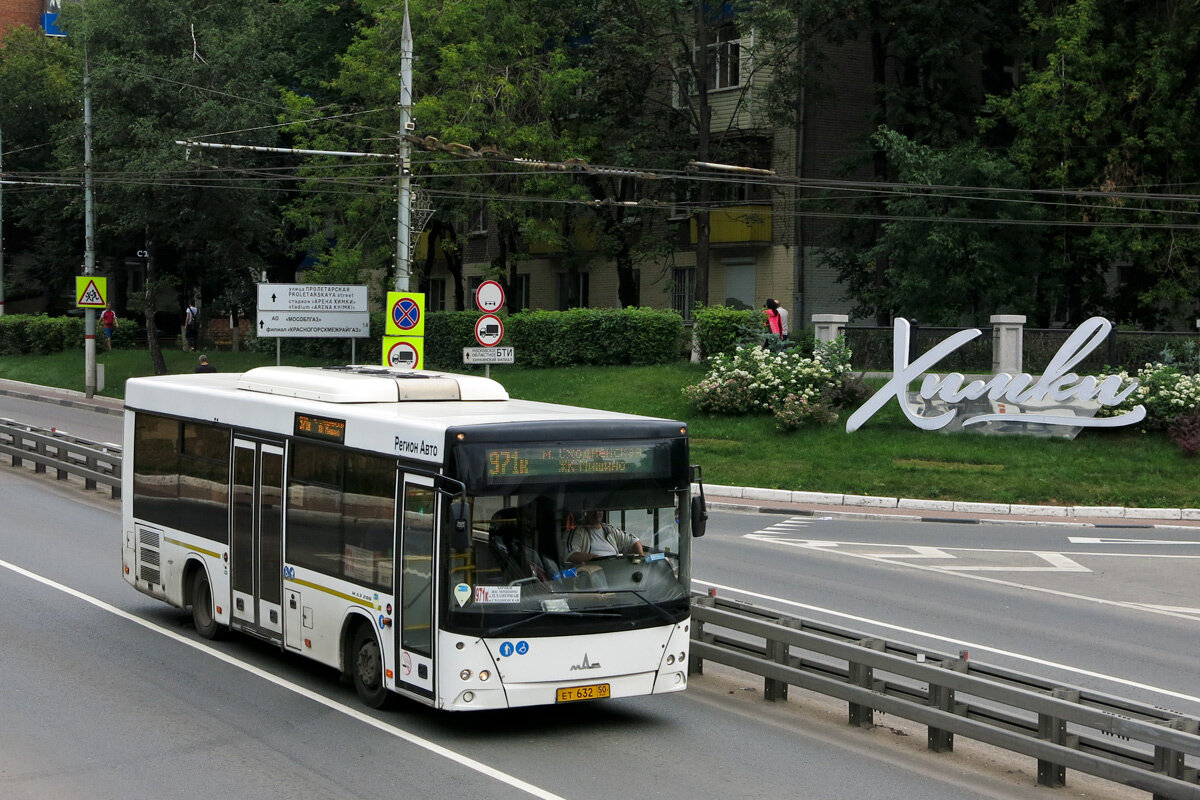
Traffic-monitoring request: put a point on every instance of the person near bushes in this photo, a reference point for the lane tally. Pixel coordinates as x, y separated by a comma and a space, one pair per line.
783, 317
109, 321
204, 366
774, 321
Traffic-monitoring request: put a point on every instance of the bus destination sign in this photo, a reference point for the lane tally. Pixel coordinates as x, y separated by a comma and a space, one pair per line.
581, 460
323, 428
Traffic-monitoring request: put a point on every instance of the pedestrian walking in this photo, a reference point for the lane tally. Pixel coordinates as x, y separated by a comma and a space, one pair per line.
191, 326
109, 322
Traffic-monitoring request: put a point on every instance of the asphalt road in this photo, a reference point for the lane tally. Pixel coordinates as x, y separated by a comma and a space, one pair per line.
108, 693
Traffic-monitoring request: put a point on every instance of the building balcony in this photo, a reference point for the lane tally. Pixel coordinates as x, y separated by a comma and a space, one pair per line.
747, 224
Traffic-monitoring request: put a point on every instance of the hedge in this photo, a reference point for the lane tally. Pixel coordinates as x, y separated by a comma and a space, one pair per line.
23, 334
720, 329
595, 336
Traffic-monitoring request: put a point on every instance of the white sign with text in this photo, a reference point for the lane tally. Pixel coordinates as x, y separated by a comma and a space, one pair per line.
1058, 398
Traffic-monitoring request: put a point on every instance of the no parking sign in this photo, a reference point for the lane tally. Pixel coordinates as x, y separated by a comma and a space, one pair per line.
405, 314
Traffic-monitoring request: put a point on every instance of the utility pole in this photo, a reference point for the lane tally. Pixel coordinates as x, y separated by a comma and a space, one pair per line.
404, 199
89, 229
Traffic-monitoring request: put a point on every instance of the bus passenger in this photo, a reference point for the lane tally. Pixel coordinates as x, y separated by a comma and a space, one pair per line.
595, 538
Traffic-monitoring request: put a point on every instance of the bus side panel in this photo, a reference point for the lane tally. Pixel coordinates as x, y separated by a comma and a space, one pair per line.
324, 607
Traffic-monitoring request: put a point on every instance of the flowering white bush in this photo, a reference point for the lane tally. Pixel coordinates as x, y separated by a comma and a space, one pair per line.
1164, 391
756, 380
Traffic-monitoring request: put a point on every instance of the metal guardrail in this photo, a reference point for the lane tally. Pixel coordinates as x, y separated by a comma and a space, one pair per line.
95, 462
1063, 727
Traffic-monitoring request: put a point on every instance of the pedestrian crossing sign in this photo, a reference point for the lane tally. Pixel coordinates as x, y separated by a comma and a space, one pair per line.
91, 291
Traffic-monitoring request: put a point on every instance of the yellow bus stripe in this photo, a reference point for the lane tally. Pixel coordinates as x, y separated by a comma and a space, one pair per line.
187, 546
327, 590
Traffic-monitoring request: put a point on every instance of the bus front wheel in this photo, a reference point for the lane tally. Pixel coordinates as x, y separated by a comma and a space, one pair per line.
366, 665
202, 608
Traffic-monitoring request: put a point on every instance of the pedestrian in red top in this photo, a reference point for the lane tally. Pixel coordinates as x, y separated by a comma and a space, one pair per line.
774, 323
109, 321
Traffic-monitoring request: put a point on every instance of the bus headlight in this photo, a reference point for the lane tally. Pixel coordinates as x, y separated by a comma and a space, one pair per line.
484, 674
465, 674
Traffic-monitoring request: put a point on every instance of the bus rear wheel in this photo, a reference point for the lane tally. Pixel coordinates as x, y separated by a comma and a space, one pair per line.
202, 608
366, 665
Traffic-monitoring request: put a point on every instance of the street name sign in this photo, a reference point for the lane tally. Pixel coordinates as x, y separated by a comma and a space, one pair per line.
312, 310
488, 355
320, 324
311, 297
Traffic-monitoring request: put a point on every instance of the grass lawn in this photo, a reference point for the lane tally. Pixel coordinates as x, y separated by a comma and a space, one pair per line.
887, 456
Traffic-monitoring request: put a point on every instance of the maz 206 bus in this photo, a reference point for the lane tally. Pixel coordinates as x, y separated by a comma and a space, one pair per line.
408, 528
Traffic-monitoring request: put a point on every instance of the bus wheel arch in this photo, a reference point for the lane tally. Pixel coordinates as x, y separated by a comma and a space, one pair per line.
199, 597
363, 661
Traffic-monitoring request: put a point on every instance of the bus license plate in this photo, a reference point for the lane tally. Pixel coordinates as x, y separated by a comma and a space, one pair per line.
596, 691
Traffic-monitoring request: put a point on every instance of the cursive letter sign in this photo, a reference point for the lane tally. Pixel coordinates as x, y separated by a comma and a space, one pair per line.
1057, 385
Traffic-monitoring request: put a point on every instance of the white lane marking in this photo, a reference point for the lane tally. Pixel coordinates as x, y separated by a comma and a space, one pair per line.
906, 553
1103, 540
353, 713
833, 547
958, 644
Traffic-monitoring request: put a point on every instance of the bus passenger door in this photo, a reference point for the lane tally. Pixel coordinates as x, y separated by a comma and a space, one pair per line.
415, 585
256, 538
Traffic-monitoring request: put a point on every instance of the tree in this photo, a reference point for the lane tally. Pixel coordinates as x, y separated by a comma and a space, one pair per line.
1109, 106
162, 72
956, 251
39, 115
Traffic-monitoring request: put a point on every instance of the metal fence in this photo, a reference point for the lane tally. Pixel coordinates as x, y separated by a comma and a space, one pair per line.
98, 464
1063, 727
871, 347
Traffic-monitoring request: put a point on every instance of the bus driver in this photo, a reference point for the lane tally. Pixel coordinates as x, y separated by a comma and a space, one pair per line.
595, 538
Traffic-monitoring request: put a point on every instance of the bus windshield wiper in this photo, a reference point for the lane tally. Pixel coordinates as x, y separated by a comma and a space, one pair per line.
502, 628
662, 612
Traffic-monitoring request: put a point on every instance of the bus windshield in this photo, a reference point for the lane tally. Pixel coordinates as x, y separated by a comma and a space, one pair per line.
558, 561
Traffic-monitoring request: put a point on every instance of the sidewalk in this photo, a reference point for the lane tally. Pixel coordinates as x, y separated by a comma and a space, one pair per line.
814, 504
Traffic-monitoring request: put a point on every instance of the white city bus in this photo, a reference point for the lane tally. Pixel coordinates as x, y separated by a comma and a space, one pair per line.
408, 528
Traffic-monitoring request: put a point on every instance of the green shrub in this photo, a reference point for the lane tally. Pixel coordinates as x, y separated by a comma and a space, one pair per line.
446, 334
38, 334
720, 329
756, 380
1165, 391
596, 336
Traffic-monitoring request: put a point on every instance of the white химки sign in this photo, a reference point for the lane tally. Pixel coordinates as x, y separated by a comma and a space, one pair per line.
1057, 397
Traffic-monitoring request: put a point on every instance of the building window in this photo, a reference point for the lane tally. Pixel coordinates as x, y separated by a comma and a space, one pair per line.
436, 299
572, 290
724, 57
683, 291
517, 298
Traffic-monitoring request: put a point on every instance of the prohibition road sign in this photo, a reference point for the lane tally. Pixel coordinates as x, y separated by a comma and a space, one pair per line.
404, 355
489, 297
406, 314
489, 330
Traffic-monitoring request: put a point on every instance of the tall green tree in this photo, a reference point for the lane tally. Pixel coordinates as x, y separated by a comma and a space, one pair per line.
956, 250
1109, 106
163, 72
39, 116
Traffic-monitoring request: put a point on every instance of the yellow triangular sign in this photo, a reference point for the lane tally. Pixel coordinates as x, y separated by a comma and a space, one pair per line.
89, 292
